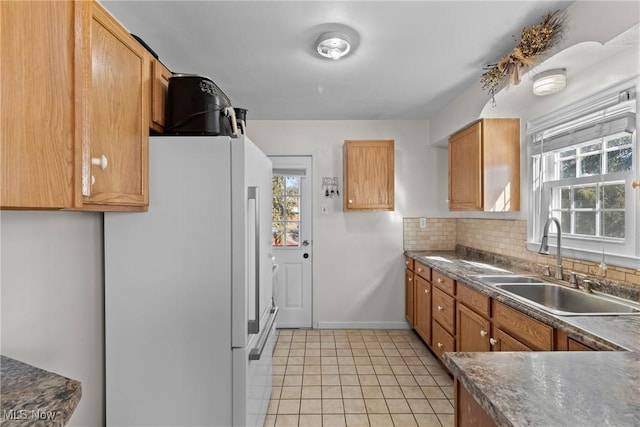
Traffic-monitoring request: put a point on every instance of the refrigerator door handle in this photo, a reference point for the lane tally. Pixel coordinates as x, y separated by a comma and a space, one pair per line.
254, 194
256, 353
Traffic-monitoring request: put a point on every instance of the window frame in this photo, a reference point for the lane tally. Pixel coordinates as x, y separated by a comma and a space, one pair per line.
616, 251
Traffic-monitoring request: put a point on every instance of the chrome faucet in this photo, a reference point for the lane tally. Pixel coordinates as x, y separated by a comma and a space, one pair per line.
544, 246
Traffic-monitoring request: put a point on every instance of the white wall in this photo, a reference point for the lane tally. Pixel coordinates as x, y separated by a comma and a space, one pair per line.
52, 299
358, 256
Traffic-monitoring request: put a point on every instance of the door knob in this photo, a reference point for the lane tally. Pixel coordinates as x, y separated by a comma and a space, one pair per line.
305, 255
100, 161
305, 243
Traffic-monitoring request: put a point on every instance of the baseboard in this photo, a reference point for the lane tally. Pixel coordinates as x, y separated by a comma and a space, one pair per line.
363, 325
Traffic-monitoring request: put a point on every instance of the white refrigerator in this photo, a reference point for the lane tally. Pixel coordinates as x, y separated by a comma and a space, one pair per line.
189, 315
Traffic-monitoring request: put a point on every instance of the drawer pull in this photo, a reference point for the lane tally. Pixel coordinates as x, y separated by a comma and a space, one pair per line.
410, 279
483, 333
406, 263
439, 345
493, 341
100, 161
419, 270
439, 280
440, 308
426, 291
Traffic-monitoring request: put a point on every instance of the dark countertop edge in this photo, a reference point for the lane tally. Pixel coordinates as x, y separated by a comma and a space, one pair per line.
32, 376
465, 276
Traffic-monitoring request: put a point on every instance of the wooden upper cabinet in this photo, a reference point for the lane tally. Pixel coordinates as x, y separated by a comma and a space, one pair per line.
159, 88
369, 175
75, 99
484, 166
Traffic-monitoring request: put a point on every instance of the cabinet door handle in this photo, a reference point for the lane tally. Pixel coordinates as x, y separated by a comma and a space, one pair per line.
440, 308
493, 341
483, 333
426, 291
439, 345
350, 201
419, 270
439, 280
100, 161
406, 263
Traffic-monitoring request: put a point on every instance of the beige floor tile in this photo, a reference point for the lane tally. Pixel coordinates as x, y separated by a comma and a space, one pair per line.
343, 344
273, 406
291, 392
279, 369
279, 360
331, 392
297, 345
281, 353
412, 392
330, 370
436, 370
328, 360
380, 420
287, 421
376, 406
292, 380
349, 380
312, 352
312, 370
395, 360
387, 344
310, 421
275, 392
383, 370
371, 392
375, 352
311, 380
412, 360
368, 379
311, 360
340, 351
298, 352
359, 352
386, 380
443, 380
333, 420
448, 391
354, 406
407, 352
420, 406
270, 421
330, 379
312, 344
425, 380
351, 392
294, 370
347, 370
406, 380
311, 406
346, 360
362, 360
365, 369
295, 360
332, 406
401, 370
404, 420
391, 352
428, 420
326, 352
433, 392
277, 380
392, 392
372, 345
441, 406
357, 420
291, 406
357, 344
398, 406
379, 361
311, 392
418, 370
446, 420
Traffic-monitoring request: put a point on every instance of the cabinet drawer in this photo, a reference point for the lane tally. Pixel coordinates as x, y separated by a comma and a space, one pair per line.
408, 262
423, 271
473, 299
530, 331
443, 282
577, 346
442, 340
443, 310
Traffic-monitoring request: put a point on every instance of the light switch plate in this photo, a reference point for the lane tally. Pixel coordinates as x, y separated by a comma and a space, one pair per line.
324, 209
423, 222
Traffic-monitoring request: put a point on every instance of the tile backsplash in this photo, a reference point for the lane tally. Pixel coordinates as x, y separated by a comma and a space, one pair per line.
502, 237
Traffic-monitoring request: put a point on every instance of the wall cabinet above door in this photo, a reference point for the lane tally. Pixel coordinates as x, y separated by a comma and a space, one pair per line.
368, 175
75, 109
484, 166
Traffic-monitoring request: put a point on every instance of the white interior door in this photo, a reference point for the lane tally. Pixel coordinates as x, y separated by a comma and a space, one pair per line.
292, 240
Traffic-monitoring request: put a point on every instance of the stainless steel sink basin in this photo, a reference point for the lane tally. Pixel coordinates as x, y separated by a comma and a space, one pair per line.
493, 279
569, 302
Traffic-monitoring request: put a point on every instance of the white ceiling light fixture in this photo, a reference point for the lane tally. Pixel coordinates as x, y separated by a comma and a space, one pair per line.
333, 45
550, 81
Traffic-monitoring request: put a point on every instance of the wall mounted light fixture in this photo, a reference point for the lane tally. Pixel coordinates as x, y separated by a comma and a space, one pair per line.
549, 82
333, 45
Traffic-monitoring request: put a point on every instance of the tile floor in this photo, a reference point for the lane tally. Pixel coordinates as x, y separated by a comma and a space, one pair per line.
349, 378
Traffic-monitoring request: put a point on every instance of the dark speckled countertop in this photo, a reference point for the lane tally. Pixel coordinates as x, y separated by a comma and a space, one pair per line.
32, 397
549, 388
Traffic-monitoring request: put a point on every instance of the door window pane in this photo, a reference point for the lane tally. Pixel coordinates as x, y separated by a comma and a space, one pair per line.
286, 211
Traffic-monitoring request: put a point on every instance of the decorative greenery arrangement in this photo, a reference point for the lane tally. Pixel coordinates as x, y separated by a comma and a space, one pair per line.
534, 42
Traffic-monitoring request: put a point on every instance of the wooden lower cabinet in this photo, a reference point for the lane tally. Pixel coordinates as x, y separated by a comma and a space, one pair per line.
577, 346
502, 341
409, 292
422, 315
443, 310
531, 332
472, 331
442, 341
468, 412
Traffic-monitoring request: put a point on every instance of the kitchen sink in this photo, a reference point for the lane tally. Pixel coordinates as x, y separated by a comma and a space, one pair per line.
493, 279
569, 302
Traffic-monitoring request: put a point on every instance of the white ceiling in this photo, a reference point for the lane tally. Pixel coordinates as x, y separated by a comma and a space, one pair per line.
412, 57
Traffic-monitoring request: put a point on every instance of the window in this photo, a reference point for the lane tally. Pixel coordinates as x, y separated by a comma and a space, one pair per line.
286, 210
583, 160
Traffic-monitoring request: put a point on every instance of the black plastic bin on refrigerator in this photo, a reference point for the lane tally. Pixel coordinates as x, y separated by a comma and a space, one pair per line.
196, 106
